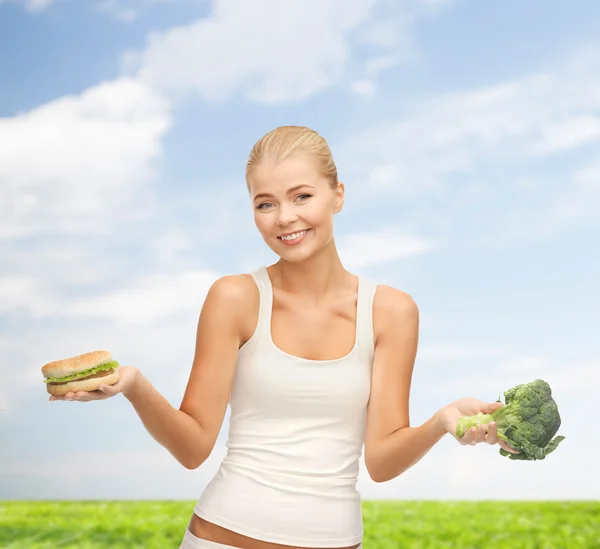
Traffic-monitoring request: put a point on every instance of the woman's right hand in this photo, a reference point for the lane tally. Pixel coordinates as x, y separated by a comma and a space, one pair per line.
485, 433
127, 377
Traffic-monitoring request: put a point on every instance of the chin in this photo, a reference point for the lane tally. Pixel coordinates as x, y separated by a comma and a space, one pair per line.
295, 258
291, 256
299, 256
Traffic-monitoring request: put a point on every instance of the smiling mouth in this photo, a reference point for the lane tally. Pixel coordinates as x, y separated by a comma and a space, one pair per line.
293, 236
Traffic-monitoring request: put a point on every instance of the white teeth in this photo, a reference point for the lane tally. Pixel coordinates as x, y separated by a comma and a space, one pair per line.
294, 236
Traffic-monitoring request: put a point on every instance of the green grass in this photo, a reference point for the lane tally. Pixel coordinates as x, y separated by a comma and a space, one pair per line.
388, 525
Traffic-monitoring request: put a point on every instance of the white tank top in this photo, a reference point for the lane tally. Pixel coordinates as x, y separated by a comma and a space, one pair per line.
296, 434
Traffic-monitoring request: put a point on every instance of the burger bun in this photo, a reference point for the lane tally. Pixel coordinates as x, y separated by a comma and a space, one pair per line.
75, 364
79, 364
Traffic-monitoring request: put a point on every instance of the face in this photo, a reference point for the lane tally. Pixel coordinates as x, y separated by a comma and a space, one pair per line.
294, 206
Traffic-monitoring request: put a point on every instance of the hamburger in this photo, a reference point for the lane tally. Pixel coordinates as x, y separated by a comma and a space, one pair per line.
80, 373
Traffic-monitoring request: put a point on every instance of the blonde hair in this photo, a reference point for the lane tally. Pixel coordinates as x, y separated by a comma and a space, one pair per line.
284, 141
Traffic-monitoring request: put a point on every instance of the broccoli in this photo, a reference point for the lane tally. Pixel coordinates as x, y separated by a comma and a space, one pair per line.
527, 422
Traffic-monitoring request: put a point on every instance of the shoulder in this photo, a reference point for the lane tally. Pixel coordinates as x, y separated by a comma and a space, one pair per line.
235, 290
393, 309
234, 298
392, 302
232, 287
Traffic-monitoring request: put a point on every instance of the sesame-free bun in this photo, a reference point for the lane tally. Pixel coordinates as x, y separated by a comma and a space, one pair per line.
89, 384
80, 363
75, 364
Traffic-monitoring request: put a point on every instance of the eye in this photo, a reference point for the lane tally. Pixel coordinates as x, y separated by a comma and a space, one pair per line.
306, 195
260, 206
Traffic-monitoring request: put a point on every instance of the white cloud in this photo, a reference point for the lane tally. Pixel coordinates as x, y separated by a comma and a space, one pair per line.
451, 149
359, 250
276, 62
448, 134
144, 299
455, 351
77, 467
46, 265
149, 299
391, 33
374, 65
126, 10
503, 370
168, 246
265, 54
435, 5
365, 88
568, 134
115, 9
580, 198
451, 471
148, 474
77, 164
33, 6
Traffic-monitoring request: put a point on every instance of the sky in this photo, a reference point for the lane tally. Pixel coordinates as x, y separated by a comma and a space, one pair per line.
467, 135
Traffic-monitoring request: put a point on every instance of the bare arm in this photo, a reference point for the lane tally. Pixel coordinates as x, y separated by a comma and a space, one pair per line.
190, 433
173, 429
391, 445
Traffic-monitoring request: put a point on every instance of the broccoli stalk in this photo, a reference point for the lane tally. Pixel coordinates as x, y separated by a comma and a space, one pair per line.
527, 422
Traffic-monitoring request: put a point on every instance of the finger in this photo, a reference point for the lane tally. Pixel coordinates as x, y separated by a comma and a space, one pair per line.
86, 396
481, 434
475, 435
66, 396
492, 435
468, 439
80, 396
490, 407
110, 390
505, 445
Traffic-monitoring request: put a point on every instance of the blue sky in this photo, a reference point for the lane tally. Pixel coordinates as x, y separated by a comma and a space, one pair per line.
467, 135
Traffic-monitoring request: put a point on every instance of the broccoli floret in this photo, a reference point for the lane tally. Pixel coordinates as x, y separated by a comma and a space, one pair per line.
527, 422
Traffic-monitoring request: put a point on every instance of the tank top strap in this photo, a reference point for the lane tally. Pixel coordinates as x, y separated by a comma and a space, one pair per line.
364, 319
261, 277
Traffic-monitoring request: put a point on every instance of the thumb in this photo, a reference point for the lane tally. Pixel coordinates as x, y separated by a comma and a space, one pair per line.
110, 390
490, 407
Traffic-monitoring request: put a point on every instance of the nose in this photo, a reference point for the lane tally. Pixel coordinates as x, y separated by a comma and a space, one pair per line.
286, 215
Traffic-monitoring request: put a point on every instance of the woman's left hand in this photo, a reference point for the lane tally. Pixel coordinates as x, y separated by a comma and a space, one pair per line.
485, 433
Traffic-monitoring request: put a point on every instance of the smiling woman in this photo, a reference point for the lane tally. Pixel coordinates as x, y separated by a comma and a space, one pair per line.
293, 182
316, 364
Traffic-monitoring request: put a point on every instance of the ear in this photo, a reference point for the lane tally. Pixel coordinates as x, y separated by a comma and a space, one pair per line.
339, 197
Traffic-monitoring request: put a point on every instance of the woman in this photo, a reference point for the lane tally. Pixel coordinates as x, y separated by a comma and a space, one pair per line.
314, 361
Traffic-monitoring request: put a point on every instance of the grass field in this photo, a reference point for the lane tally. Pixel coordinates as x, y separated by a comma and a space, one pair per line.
388, 525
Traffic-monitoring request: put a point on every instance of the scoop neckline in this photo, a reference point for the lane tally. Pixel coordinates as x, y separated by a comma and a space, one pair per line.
303, 359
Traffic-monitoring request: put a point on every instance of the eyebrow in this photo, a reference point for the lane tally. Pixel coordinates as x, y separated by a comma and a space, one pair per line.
290, 191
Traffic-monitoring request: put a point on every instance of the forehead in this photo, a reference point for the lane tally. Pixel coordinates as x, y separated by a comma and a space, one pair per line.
278, 176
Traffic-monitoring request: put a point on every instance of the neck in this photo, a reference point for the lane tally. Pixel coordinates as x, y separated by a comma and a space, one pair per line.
315, 279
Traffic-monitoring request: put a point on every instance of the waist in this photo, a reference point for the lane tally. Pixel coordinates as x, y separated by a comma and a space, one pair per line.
309, 456
291, 509
322, 484
199, 530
